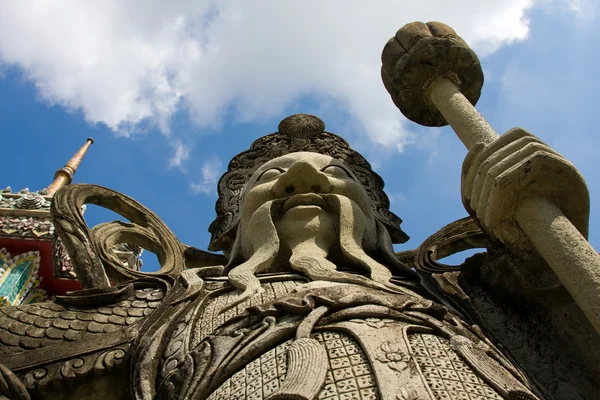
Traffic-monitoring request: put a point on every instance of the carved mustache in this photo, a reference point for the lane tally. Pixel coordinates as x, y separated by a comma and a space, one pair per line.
327, 202
265, 243
303, 199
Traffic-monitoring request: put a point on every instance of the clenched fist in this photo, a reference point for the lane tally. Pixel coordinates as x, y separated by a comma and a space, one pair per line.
498, 177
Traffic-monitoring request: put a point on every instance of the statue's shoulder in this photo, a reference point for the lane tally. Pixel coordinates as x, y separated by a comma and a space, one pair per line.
516, 300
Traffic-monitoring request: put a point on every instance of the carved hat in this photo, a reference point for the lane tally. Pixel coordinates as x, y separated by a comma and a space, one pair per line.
298, 132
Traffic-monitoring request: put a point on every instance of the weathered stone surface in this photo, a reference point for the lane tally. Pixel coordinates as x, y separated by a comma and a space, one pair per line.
310, 300
514, 187
59, 323
417, 56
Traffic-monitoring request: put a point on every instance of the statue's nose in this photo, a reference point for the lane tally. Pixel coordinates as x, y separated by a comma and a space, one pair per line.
301, 177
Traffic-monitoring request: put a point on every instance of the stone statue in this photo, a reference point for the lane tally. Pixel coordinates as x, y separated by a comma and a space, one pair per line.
309, 300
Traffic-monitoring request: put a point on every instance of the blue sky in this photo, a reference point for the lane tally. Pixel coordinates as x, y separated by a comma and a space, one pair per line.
171, 92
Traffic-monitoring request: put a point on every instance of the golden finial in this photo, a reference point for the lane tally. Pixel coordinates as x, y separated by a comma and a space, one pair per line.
64, 176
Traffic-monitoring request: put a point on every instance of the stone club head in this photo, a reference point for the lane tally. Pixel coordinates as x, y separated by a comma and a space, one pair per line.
421, 53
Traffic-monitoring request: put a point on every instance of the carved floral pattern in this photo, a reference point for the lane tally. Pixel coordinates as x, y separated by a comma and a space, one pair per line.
96, 363
393, 356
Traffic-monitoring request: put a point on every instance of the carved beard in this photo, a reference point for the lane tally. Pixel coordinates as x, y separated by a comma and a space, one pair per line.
264, 245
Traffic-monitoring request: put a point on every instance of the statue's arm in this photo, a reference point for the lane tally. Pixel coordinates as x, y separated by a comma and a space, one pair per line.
538, 289
497, 178
522, 193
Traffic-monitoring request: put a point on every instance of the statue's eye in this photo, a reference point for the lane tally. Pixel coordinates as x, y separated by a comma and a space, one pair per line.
336, 171
270, 174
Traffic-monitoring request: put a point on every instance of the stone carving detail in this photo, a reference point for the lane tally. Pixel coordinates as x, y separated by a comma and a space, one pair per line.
447, 375
300, 132
128, 254
349, 373
310, 301
52, 344
46, 324
213, 315
393, 357
259, 379
11, 386
77, 368
146, 230
460, 235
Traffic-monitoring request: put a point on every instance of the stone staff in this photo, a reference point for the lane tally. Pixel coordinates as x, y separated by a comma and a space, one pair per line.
521, 191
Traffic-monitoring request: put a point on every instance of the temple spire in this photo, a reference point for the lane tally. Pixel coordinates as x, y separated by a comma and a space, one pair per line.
64, 176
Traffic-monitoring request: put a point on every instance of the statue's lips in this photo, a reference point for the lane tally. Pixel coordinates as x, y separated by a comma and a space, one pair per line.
305, 199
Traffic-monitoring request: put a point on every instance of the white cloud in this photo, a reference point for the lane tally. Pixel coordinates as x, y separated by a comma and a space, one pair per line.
181, 154
126, 62
396, 198
211, 170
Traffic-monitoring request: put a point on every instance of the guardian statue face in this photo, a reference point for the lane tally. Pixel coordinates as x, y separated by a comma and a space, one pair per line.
301, 186
301, 200
301, 134
307, 212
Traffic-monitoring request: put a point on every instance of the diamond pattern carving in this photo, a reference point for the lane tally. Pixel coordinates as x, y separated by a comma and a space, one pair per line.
447, 375
349, 375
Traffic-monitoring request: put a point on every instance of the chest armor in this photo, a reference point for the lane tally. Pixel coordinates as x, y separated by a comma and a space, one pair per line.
308, 341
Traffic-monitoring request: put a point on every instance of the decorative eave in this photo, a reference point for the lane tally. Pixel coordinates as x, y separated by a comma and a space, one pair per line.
25, 214
25, 200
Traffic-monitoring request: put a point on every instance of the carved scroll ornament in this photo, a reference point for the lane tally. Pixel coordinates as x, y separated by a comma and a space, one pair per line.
91, 250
